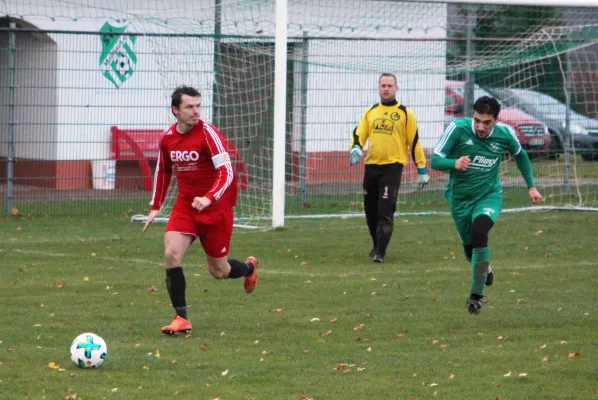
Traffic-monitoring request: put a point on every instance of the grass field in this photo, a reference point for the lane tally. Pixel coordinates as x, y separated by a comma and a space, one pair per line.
324, 322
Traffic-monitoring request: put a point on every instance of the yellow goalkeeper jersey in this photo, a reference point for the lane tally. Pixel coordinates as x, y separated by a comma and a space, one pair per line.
391, 132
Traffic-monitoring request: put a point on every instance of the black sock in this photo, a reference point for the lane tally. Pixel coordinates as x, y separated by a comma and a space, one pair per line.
239, 268
176, 285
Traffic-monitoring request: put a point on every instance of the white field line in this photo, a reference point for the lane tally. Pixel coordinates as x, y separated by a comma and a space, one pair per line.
393, 270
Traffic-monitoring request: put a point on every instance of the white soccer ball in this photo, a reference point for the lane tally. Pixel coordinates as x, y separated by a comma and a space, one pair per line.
88, 350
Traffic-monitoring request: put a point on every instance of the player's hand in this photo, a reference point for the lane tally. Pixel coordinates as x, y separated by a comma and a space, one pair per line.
355, 154
534, 195
200, 203
462, 163
422, 178
150, 218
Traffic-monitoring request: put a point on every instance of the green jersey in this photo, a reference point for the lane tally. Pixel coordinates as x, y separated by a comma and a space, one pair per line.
485, 155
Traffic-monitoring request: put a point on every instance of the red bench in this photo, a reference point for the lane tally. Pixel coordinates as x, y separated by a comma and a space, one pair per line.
142, 145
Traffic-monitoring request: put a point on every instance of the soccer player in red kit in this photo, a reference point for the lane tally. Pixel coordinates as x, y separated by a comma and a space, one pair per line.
197, 152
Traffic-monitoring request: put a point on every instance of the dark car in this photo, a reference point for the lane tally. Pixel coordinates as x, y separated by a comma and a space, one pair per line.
583, 130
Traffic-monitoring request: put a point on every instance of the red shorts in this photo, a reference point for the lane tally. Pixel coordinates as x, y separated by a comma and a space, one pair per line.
214, 229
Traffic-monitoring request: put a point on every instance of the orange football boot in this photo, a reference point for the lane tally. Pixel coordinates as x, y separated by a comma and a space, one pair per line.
177, 326
250, 281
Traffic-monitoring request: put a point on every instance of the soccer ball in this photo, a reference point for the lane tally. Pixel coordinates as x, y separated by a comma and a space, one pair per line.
88, 350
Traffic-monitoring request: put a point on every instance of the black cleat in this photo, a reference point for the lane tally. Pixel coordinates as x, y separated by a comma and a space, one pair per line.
372, 252
474, 304
490, 277
378, 258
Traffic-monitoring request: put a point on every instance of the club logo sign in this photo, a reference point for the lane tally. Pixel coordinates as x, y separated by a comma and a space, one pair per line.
118, 59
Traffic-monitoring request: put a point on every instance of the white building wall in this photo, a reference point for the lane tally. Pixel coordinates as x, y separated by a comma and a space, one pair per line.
342, 78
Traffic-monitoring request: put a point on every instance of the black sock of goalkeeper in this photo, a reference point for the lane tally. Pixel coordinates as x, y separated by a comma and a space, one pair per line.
176, 285
239, 268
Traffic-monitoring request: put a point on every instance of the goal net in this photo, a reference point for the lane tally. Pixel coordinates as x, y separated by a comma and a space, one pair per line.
540, 62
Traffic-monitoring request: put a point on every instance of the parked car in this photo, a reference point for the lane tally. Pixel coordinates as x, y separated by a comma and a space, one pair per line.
583, 130
531, 132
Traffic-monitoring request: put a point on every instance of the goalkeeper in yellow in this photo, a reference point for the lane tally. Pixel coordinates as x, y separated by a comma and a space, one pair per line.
471, 149
390, 129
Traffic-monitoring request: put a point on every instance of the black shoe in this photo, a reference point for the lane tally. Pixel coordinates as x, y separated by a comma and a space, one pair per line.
474, 304
490, 277
378, 258
372, 252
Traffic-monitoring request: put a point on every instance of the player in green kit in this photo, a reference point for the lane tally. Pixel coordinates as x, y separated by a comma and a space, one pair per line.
471, 149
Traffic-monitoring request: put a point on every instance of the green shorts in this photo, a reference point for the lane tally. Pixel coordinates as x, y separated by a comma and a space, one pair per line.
465, 212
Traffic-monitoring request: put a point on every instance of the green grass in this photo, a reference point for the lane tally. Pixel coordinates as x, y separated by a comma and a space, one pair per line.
401, 326
549, 168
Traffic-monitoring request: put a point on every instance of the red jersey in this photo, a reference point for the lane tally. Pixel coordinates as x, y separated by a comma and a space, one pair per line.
202, 167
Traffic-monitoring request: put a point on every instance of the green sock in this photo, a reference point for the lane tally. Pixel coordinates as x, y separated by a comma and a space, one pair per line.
480, 261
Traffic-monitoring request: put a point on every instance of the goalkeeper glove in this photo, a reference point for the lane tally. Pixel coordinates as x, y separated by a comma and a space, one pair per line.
355, 154
422, 178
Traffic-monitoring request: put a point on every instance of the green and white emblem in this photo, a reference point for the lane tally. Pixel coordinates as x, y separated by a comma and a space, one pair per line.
118, 59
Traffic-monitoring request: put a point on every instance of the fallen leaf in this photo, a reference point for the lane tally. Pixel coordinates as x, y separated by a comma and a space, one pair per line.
563, 342
61, 285
53, 365
400, 335
14, 211
539, 232
173, 362
224, 373
304, 263
204, 347
71, 396
306, 351
86, 279
369, 349
433, 384
545, 359
278, 310
523, 374
152, 289
507, 374
314, 319
443, 346
548, 255
357, 327
543, 346
93, 254
451, 376
333, 320
114, 390
326, 333
158, 353
574, 355
305, 398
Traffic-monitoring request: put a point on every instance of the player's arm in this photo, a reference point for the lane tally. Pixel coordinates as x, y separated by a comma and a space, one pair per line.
525, 167
218, 150
358, 138
440, 157
162, 178
417, 151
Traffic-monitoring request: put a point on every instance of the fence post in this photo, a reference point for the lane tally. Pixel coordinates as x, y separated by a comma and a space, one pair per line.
10, 172
303, 123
